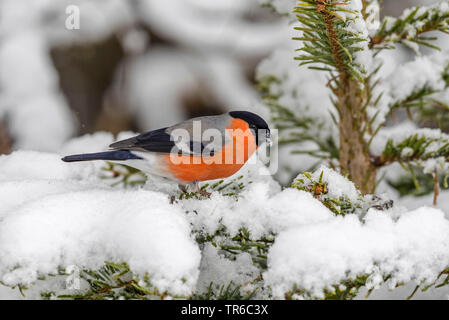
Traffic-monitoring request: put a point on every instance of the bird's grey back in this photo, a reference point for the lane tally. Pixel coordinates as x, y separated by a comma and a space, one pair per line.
219, 122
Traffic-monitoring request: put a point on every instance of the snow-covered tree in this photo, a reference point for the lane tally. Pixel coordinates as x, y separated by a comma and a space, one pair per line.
346, 41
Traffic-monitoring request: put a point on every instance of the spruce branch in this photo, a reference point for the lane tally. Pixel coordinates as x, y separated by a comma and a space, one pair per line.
425, 144
417, 99
342, 205
345, 290
418, 184
235, 244
434, 113
412, 25
328, 41
427, 149
231, 291
112, 281
123, 175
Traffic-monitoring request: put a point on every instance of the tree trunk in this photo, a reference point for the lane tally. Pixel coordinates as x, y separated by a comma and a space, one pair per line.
354, 155
351, 98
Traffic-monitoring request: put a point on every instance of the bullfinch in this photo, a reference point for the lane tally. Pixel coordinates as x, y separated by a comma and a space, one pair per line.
198, 149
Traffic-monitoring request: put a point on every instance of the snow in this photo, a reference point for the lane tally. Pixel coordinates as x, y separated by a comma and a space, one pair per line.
54, 215
33, 165
423, 72
429, 157
220, 271
256, 211
165, 77
373, 16
86, 228
356, 24
338, 186
58, 215
38, 115
283, 7
296, 87
97, 19
398, 132
217, 27
416, 202
304, 92
68, 216
207, 56
412, 248
426, 14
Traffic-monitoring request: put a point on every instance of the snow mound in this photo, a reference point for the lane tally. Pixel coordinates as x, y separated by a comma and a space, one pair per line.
415, 247
256, 211
54, 215
86, 228
34, 165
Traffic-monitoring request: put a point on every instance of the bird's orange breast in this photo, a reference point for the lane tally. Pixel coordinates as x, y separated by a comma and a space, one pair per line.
226, 162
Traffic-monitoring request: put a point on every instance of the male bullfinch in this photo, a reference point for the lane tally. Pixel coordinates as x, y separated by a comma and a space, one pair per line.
198, 149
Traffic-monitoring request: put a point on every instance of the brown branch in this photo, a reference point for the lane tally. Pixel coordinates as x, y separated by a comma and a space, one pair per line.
436, 187
329, 19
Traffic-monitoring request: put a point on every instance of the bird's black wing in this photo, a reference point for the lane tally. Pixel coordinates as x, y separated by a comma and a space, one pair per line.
156, 141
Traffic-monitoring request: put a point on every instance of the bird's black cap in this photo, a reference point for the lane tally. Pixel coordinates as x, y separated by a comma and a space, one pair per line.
255, 122
253, 119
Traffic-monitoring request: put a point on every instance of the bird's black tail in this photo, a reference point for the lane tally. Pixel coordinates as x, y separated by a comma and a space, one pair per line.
117, 155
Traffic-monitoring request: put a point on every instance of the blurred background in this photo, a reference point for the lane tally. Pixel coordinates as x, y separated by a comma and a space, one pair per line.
131, 65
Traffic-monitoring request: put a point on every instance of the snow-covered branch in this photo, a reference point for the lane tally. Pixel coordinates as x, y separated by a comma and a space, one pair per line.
428, 148
411, 26
413, 83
